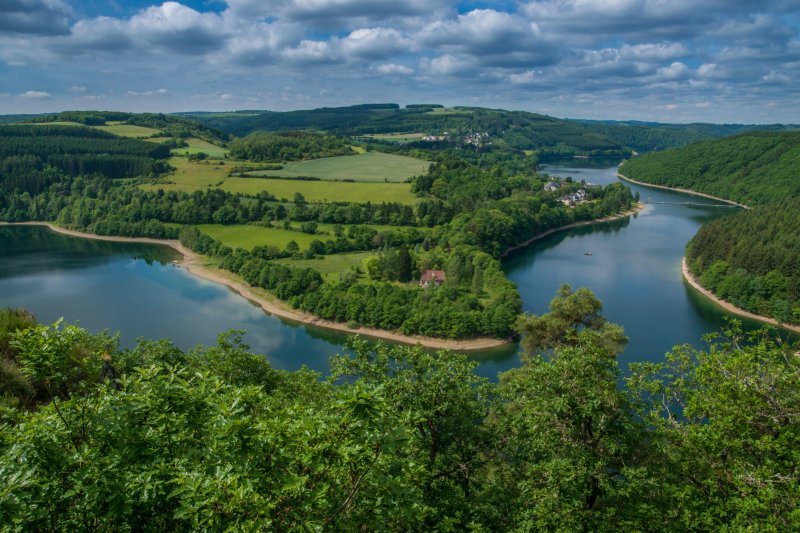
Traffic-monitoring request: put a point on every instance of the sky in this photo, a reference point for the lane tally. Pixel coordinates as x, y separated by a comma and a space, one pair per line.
724, 61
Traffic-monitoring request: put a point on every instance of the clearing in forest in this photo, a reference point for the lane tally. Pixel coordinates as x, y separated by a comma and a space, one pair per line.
371, 166
323, 191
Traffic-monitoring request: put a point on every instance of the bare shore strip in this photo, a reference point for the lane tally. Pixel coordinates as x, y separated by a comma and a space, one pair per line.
687, 275
195, 265
685, 191
632, 211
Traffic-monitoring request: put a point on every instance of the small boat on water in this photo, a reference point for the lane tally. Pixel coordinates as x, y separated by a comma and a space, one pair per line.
587, 253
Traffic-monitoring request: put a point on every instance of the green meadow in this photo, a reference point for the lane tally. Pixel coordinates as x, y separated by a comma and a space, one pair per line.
323, 191
127, 130
370, 166
199, 145
248, 237
329, 265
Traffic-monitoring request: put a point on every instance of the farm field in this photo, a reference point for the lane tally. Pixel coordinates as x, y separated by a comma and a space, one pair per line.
190, 176
370, 166
397, 137
323, 191
248, 237
329, 265
127, 130
199, 145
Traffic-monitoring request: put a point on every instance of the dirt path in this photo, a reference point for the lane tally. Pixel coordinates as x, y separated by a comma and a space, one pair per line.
729, 306
195, 265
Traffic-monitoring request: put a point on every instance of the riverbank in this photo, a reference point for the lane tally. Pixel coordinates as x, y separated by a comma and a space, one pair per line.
196, 265
637, 207
687, 275
685, 191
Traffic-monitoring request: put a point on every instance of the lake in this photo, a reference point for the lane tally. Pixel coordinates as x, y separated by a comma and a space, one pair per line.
137, 290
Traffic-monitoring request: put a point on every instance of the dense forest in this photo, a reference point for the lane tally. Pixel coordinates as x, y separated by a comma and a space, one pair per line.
652, 136
287, 146
751, 259
752, 168
33, 157
153, 438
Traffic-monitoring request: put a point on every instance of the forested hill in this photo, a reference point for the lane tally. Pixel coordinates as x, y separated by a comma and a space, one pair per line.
752, 168
751, 259
517, 129
35, 156
652, 136
165, 125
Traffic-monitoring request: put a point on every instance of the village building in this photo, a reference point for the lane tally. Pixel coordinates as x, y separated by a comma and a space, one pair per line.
432, 277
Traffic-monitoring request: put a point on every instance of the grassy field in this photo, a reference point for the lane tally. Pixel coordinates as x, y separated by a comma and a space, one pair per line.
248, 237
321, 191
126, 130
330, 265
397, 137
371, 166
199, 145
191, 176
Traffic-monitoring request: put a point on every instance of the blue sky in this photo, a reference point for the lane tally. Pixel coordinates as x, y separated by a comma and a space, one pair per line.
666, 60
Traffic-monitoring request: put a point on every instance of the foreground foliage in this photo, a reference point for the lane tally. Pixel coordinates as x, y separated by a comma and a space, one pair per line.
153, 438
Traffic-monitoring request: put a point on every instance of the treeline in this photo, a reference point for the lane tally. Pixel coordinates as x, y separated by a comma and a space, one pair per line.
96, 199
33, 157
517, 129
287, 146
652, 136
397, 439
752, 168
458, 309
168, 125
751, 259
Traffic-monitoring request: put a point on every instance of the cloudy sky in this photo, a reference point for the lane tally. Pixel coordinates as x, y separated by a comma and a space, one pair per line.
666, 60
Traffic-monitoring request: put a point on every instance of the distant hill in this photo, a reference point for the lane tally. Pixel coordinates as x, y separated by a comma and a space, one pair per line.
169, 125
751, 168
518, 129
652, 136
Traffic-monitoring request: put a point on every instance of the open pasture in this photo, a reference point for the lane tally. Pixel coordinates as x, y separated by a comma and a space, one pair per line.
190, 176
199, 145
248, 237
127, 130
370, 166
323, 191
329, 265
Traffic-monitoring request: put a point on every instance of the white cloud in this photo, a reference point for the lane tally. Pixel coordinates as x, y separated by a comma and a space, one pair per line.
392, 68
447, 65
375, 43
523, 78
77, 89
311, 52
157, 92
35, 95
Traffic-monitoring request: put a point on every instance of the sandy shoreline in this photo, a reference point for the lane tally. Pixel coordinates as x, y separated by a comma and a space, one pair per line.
685, 191
729, 306
193, 263
638, 207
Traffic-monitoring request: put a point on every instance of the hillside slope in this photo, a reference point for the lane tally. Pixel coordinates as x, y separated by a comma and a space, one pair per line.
753, 168
518, 129
751, 259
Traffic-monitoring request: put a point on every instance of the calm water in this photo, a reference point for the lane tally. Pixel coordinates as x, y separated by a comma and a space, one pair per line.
634, 267
136, 290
